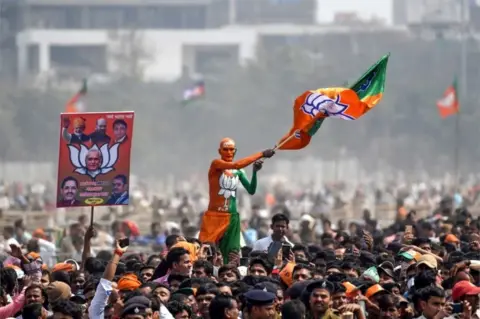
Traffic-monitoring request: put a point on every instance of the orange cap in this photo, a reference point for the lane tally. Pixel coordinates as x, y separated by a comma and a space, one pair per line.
39, 233
128, 282
352, 290
63, 267
79, 122
34, 255
373, 290
192, 250
451, 239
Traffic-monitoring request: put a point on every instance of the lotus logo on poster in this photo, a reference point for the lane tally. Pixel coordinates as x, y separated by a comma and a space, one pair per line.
93, 161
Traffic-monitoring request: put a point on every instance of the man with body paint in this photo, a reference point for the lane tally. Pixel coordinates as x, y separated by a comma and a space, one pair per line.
221, 222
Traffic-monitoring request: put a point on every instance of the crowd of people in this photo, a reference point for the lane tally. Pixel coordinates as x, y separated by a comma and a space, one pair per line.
415, 268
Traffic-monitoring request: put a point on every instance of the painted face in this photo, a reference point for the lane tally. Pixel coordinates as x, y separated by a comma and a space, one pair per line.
227, 149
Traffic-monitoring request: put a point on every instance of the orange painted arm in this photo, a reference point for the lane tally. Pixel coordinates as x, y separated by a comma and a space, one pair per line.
244, 162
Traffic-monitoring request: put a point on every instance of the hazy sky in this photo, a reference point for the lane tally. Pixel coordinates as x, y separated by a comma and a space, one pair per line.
365, 8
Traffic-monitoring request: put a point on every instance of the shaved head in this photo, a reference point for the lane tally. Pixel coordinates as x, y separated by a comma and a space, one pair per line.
227, 142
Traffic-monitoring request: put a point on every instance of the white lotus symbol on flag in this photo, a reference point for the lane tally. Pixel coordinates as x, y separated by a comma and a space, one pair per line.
315, 103
447, 101
78, 159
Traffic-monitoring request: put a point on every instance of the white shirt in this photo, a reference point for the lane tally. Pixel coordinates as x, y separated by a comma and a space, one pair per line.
164, 313
99, 301
264, 243
11, 241
48, 252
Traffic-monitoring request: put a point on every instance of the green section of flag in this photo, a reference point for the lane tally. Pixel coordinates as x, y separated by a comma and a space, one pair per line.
372, 82
315, 127
83, 89
455, 87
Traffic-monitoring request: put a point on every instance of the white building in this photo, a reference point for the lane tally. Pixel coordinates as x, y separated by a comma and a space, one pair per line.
416, 12
162, 38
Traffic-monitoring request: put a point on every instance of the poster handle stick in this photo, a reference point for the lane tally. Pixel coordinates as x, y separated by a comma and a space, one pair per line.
92, 211
285, 140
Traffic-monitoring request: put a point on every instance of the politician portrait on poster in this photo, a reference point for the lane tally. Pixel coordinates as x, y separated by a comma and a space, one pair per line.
95, 153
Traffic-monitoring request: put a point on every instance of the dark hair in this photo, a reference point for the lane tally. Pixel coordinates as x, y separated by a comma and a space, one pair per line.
131, 294
35, 286
223, 284
431, 291
32, 311
9, 279
67, 179
206, 265
119, 121
104, 256
280, 218
91, 284
47, 272
426, 226
386, 301
171, 240
229, 267
219, 304
176, 307
245, 251
176, 277
302, 266
207, 289
425, 278
294, 309
262, 261
299, 247
328, 241
173, 256
239, 288
420, 241
152, 285
122, 177
152, 257
94, 266
18, 223
68, 308
192, 240
62, 276
8, 230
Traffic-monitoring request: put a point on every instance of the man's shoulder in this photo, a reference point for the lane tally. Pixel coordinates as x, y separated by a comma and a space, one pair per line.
330, 315
264, 240
262, 243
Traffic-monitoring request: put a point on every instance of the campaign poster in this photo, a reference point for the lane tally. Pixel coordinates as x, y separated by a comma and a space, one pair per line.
94, 159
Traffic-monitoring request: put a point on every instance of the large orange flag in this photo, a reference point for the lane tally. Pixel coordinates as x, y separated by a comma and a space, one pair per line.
312, 107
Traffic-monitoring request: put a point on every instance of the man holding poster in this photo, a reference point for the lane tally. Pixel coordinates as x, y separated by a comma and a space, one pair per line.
98, 165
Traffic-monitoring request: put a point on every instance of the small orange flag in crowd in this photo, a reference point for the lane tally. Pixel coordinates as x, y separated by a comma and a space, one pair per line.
76, 103
448, 105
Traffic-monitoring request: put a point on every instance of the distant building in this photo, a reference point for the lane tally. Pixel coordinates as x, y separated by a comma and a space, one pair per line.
435, 12
163, 38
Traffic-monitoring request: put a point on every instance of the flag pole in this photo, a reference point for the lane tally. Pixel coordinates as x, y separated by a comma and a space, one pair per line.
463, 90
285, 141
